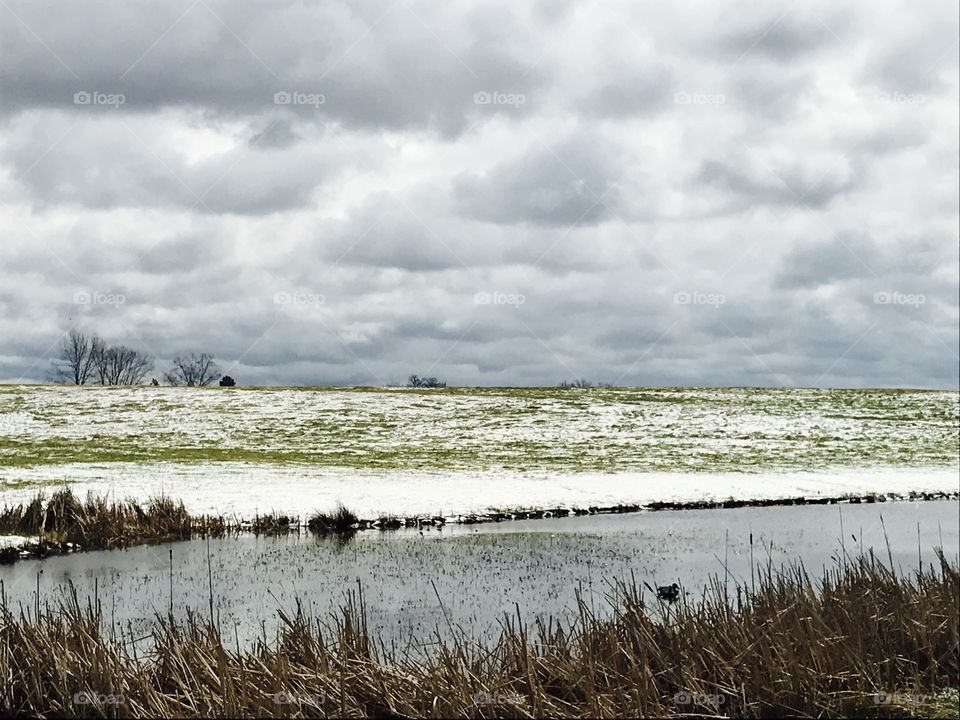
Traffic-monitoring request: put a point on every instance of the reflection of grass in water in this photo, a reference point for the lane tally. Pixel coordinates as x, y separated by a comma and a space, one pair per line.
550, 429
272, 524
34, 484
791, 648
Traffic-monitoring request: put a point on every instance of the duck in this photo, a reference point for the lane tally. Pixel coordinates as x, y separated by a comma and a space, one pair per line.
670, 593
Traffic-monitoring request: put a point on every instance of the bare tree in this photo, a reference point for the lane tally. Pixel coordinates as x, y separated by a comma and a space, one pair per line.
75, 363
578, 383
121, 365
425, 382
193, 369
135, 366
98, 352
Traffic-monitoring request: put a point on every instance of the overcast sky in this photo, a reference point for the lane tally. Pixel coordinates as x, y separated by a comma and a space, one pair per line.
491, 192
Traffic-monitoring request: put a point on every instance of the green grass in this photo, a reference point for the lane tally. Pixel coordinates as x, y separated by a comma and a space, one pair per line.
524, 429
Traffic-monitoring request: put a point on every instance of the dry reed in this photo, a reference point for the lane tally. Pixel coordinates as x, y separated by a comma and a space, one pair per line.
96, 522
860, 641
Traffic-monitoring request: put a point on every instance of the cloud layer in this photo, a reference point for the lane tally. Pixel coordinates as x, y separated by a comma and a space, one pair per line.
347, 193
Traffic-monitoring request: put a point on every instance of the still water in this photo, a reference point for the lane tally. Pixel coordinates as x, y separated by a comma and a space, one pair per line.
417, 585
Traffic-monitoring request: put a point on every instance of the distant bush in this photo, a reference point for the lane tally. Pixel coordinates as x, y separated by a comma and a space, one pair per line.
272, 524
425, 382
227, 381
341, 521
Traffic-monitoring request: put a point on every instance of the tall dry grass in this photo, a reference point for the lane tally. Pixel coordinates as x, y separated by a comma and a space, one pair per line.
97, 522
861, 641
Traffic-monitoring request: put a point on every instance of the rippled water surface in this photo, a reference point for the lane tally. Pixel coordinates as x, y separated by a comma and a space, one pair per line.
479, 572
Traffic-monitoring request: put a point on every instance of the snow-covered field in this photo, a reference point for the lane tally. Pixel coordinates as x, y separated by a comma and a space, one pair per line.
466, 450
244, 490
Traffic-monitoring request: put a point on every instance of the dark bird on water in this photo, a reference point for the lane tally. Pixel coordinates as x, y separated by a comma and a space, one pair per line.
670, 593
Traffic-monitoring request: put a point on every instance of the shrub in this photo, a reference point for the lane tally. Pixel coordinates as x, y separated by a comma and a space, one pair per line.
340, 521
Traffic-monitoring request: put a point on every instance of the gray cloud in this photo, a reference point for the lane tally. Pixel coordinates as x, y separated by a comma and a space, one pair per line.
572, 183
374, 66
789, 185
781, 36
491, 193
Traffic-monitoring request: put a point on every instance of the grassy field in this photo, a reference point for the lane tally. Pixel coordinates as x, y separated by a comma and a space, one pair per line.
865, 640
600, 430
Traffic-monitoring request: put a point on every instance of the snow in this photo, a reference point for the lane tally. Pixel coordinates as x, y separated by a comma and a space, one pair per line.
243, 489
12, 541
385, 451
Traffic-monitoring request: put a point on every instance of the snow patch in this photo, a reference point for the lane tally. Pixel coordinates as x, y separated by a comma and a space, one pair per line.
244, 489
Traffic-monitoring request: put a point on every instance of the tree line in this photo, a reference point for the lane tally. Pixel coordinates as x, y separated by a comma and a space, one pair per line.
86, 359
415, 381
583, 383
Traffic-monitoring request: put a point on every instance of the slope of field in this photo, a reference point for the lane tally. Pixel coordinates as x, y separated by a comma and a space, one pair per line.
474, 448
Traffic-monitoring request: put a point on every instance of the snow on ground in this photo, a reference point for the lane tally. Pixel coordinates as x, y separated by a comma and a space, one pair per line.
12, 541
602, 430
245, 489
462, 450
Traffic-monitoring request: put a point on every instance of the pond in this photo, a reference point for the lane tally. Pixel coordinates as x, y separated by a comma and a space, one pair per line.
416, 585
